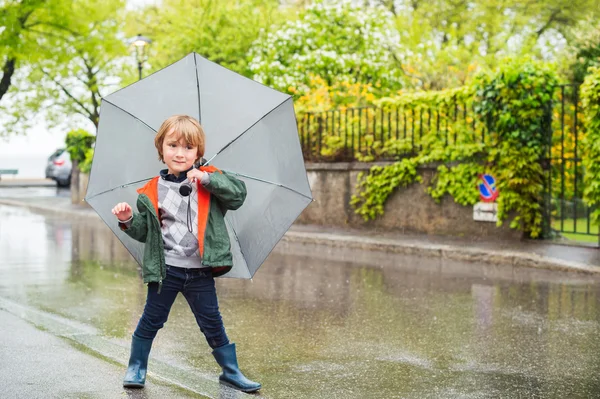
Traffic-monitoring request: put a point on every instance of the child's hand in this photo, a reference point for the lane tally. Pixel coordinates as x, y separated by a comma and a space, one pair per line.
122, 211
194, 174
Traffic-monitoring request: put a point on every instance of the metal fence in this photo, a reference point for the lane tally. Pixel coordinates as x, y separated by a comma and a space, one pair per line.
353, 133
389, 133
565, 210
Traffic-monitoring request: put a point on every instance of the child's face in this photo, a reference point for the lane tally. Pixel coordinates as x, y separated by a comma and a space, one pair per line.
177, 154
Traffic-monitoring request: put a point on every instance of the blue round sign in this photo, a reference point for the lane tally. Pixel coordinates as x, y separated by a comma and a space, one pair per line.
488, 192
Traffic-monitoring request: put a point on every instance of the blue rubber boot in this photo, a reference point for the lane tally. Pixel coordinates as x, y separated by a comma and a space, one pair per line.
232, 376
138, 363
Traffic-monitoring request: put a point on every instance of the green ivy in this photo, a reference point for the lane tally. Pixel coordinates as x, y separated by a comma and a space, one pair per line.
429, 98
86, 165
590, 95
515, 106
380, 183
459, 181
78, 142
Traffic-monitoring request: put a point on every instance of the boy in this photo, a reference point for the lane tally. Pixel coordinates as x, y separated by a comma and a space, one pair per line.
186, 245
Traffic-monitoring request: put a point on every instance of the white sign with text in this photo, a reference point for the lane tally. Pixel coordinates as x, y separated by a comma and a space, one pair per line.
485, 212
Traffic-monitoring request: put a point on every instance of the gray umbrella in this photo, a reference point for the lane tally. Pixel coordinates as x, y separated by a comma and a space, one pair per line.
251, 132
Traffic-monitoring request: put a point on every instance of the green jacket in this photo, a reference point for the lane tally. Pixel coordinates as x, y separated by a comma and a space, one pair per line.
223, 192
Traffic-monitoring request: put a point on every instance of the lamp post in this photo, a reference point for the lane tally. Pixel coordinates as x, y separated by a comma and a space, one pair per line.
141, 55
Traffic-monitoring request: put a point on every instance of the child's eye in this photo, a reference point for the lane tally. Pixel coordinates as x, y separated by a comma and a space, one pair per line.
189, 147
172, 145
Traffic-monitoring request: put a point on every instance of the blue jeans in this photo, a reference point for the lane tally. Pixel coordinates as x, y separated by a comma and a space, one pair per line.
198, 287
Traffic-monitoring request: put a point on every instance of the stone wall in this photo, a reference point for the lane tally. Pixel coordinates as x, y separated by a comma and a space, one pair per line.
408, 210
79, 183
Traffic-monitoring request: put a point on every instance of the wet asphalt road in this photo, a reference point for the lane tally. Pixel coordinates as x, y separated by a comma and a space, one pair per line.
314, 322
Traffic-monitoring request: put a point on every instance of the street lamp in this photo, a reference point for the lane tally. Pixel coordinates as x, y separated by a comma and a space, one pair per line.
141, 55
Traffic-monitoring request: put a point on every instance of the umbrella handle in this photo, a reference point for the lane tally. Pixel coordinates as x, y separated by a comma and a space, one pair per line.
201, 162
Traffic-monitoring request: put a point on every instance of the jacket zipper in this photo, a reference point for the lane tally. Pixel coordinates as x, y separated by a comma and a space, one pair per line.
204, 236
162, 266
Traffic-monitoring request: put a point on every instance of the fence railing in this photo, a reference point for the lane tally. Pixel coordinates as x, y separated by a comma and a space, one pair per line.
351, 133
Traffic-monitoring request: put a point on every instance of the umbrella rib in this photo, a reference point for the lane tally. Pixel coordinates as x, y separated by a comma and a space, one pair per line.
198, 87
269, 182
115, 188
245, 131
238, 242
132, 115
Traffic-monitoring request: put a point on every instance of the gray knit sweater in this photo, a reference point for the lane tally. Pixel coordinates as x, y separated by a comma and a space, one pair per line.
181, 244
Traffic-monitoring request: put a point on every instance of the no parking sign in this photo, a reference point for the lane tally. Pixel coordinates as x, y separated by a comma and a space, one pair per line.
488, 192
487, 209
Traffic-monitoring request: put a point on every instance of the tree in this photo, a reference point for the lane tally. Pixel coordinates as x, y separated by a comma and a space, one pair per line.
450, 40
76, 67
220, 30
335, 40
21, 24
583, 51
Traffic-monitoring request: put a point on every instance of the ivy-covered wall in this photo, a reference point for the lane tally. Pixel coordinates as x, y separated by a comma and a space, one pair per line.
407, 210
514, 108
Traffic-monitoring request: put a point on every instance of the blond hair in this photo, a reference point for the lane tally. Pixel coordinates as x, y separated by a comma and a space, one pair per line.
182, 126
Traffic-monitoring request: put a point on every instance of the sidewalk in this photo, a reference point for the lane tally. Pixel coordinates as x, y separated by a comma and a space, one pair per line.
23, 182
526, 253
42, 365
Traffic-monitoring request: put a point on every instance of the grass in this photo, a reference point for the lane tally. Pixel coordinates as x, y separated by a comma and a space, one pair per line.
580, 228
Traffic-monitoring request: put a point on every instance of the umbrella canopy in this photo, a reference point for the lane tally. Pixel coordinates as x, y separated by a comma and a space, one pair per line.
251, 132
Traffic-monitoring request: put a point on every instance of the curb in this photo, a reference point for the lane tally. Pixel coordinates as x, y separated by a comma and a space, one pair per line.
450, 252
36, 183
